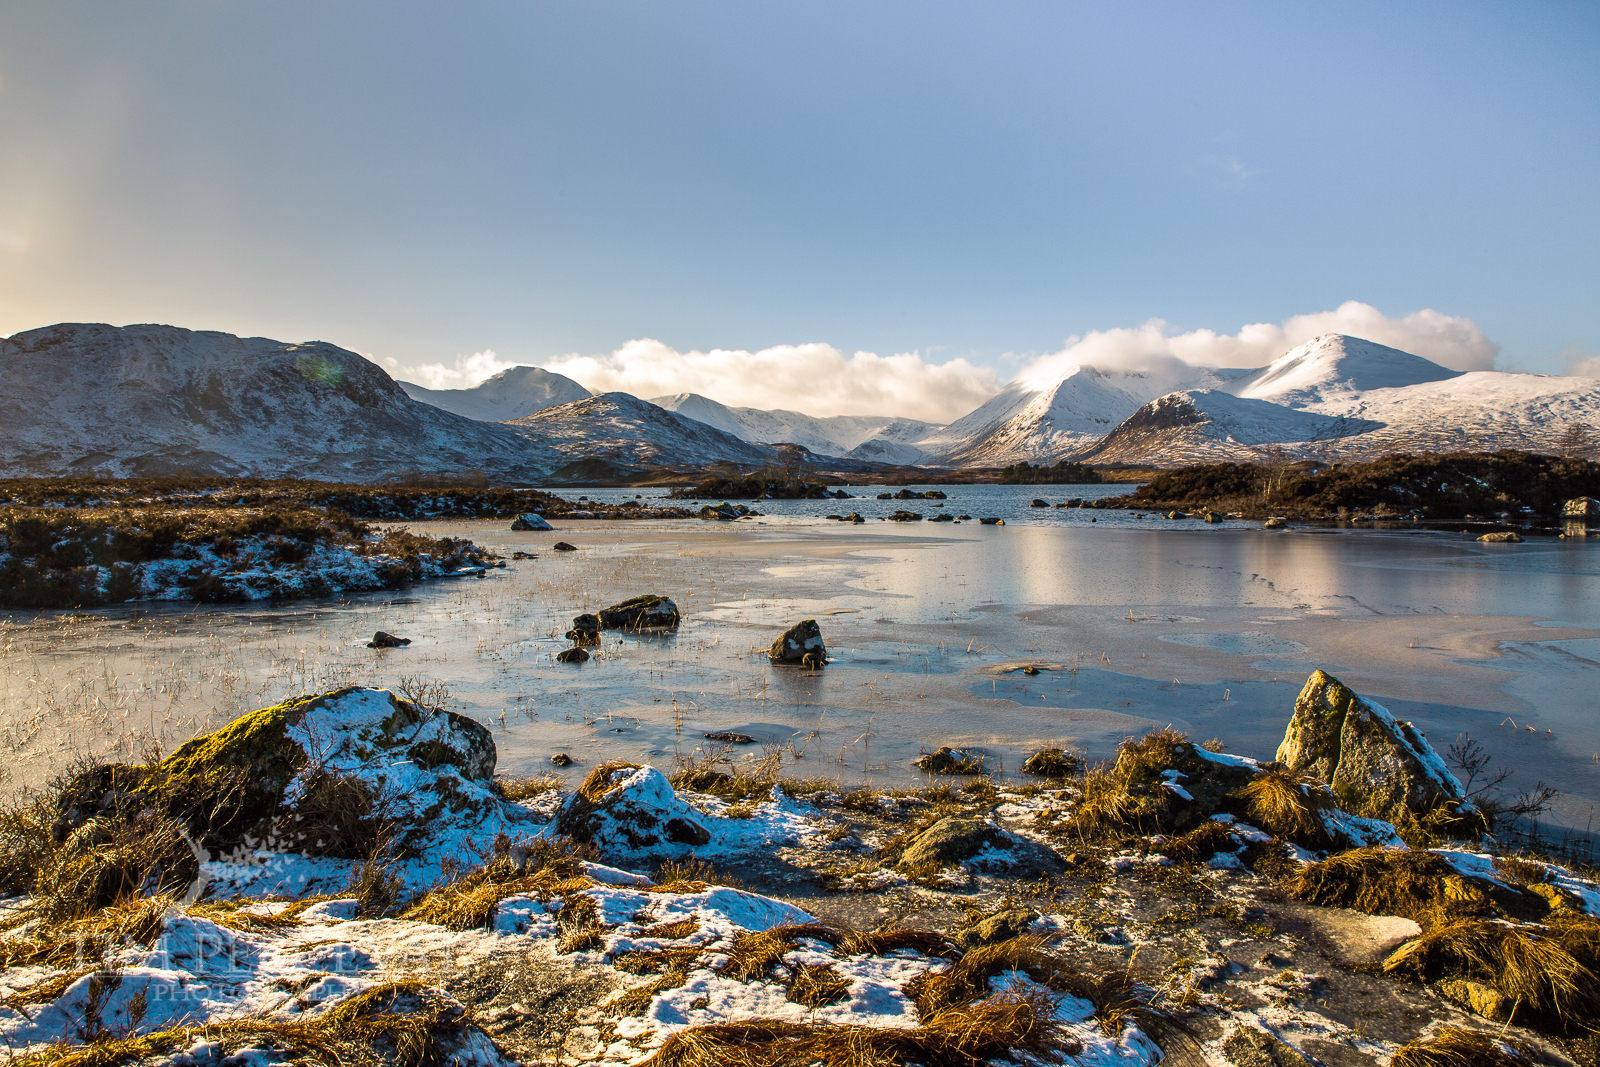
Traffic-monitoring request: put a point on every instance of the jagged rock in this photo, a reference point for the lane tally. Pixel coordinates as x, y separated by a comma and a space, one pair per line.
992, 522
623, 807
1274, 523
934, 494
1051, 763
1583, 507
650, 611
1002, 926
1247, 1047
947, 760
1376, 764
529, 521
1504, 537
381, 639
800, 644
956, 840
562, 546
575, 654
1480, 999
724, 512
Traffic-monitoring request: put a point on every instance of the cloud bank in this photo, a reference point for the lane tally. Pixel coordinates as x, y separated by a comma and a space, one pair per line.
1448, 340
821, 380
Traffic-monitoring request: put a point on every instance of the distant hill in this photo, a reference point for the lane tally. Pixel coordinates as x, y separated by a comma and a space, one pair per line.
89, 398
511, 394
836, 435
625, 430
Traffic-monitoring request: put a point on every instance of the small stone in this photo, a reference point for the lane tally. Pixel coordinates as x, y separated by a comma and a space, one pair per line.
801, 644
562, 546
572, 655
1037, 503
1477, 998
1002, 926
728, 737
561, 759
992, 522
387, 640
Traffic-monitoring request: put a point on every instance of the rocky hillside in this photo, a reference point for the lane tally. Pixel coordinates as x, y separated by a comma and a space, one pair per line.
92, 399
636, 433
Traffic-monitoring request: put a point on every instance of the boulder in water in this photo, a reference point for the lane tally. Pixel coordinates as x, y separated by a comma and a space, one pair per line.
1504, 537
1582, 507
1037, 503
651, 611
906, 516
801, 644
562, 546
529, 521
992, 522
575, 654
724, 512
1275, 523
383, 639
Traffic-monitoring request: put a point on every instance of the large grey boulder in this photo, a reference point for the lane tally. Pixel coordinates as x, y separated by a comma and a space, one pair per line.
1377, 765
530, 521
648, 612
801, 644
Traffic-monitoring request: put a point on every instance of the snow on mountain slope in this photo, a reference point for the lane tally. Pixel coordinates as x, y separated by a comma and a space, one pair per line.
1210, 426
836, 435
88, 398
511, 394
1333, 366
1476, 411
636, 433
1044, 425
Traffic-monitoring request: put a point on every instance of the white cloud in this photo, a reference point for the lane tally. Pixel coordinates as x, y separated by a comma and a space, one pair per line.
816, 379
463, 373
1579, 362
1446, 339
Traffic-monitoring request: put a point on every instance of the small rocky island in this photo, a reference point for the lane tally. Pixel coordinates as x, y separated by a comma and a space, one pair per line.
343, 878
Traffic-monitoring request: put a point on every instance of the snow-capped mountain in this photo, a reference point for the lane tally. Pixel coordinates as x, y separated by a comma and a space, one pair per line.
837, 435
88, 398
511, 394
1044, 423
1333, 367
636, 433
1339, 397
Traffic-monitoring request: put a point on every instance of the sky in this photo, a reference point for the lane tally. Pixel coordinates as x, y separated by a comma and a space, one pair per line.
915, 202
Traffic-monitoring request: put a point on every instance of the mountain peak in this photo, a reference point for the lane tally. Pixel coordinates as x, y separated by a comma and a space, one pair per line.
511, 394
1336, 365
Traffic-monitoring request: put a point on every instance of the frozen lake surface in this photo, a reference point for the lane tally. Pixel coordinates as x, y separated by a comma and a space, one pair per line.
1146, 621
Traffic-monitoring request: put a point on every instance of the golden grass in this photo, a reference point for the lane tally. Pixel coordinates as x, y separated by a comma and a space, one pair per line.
636, 1001
1454, 1047
969, 1037
1286, 806
1417, 885
816, 986
1553, 972
1200, 844
553, 868
597, 783
88, 938
399, 1022
520, 787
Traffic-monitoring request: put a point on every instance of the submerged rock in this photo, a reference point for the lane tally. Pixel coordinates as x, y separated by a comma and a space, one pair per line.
382, 639
992, 522
906, 516
1504, 537
575, 654
1038, 503
1376, 764
800, 644
648, 612
729, 737
626, 807
562, 546
585, 629
947, 760
530, 521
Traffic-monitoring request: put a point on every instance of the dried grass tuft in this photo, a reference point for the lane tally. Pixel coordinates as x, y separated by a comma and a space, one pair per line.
1418, 885
1454, 1047
1286, 806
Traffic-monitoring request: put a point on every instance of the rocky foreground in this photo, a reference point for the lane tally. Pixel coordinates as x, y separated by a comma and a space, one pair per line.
342, 879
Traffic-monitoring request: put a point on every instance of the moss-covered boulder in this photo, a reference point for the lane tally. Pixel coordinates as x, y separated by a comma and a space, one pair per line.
960, 841
337, 774
648, 612
1378, 766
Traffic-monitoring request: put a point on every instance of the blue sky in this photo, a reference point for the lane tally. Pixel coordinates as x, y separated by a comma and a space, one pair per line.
973, 182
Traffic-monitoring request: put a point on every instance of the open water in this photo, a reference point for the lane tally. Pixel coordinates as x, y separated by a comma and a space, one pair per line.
1137, 623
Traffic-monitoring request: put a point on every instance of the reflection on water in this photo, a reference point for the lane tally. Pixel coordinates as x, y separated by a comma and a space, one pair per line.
1212, 630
